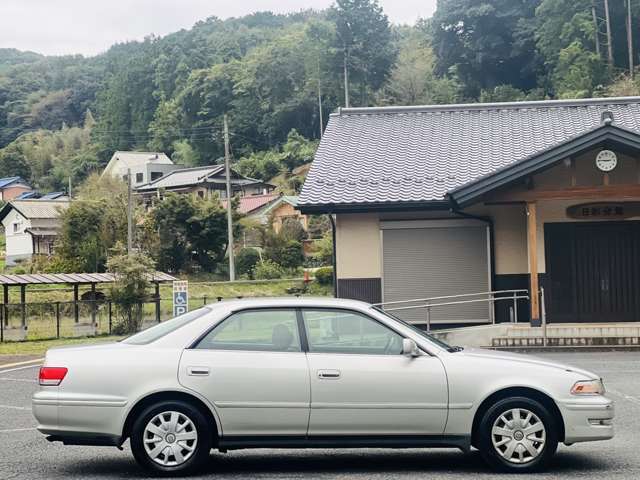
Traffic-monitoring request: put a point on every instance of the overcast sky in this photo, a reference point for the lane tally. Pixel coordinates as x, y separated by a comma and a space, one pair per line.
57, 27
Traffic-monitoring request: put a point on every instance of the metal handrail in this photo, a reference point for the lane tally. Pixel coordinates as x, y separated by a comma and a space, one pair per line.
492, 297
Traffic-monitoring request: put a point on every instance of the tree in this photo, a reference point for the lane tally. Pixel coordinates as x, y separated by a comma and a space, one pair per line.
129, 290
486, 43
13, 163
365, 41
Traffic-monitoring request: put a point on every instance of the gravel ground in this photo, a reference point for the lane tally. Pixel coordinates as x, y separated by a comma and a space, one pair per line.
27, 455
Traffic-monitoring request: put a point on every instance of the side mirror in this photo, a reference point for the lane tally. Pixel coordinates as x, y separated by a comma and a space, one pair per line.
410, 348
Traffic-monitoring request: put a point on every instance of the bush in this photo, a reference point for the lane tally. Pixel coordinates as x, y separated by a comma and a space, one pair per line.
246, 260
324, 275
267, 270
288, 254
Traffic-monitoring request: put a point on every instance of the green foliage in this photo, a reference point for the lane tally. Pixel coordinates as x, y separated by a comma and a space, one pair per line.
13, 163
324, 275
92, 225
129, 290
191, 232
323, 249
578, 72
267, 270
286, 253
246, 260
292, 229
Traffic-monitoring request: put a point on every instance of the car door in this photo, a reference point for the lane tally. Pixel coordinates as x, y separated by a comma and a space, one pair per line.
361, 384
252, 368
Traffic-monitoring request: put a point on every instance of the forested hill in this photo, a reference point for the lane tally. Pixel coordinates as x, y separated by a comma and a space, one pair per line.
63, 117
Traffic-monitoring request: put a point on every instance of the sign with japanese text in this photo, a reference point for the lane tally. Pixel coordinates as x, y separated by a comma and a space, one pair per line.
604, 211
180, 297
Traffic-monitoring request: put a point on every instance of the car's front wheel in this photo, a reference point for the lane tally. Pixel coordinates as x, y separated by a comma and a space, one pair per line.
518, 434
171, 437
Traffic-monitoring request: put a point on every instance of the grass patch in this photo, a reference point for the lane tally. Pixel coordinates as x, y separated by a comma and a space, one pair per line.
39, 347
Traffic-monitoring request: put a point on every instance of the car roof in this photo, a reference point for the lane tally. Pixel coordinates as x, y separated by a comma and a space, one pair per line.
272, 302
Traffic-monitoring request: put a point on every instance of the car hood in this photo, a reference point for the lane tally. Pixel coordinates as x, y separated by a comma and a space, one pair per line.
521, 358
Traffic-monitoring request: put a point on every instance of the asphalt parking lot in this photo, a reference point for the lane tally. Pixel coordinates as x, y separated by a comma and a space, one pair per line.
27, 455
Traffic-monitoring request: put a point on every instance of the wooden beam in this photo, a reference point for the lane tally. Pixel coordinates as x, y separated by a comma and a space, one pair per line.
532, 246
628, 191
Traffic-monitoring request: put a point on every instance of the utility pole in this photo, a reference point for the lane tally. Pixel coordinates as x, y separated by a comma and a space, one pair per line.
232, 268
320, 99
629, 39
596, 27
129, 215
346, 78
609, 42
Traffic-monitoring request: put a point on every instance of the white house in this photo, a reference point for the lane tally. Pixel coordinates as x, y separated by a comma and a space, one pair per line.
145, 167
31, 227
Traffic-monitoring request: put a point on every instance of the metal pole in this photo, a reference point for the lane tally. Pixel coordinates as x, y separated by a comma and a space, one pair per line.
57, 319
157, 302
129, 215
23, 306
93, 304
110, 318
543, 311
629, 39
76, 312
428, 318
515, 307
232, 269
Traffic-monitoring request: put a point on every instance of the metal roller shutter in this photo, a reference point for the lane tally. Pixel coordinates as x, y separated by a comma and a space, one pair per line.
445, 258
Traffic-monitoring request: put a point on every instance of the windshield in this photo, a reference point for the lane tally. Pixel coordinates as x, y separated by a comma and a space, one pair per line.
158, 331
419, 331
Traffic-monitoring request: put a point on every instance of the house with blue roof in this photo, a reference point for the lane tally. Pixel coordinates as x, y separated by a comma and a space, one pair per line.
12, 187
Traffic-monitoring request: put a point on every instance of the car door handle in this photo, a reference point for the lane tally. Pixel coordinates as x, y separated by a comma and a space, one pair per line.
328, 374
198, 371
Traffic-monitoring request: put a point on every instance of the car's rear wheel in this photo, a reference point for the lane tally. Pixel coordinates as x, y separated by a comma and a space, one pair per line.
171, 437
518, 434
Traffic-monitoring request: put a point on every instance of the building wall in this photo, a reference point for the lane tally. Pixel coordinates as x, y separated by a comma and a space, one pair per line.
286, 210
9, 193
19, 244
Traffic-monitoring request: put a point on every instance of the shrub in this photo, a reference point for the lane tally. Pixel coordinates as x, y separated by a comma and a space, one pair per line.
288, 254
267, 270
246, 260
324, 275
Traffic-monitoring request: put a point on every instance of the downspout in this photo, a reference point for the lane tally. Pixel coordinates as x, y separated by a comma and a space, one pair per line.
333, 255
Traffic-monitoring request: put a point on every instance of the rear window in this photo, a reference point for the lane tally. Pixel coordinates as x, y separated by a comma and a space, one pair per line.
154, 333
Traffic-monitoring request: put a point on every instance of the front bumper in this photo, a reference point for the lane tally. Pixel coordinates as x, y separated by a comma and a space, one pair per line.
587, 419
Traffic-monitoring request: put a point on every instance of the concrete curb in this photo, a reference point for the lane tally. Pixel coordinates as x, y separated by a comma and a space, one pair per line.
569, 348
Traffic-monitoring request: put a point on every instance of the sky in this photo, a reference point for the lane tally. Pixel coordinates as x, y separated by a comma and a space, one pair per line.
89, 27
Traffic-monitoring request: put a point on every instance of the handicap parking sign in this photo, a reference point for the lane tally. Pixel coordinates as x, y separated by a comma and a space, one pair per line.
180, 297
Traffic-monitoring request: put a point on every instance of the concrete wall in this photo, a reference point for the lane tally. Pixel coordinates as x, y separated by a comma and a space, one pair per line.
358, 246
19, 244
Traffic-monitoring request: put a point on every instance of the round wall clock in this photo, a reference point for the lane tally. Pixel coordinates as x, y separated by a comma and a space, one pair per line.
606, 160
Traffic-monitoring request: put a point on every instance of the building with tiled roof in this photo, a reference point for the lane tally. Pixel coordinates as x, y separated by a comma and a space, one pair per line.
432, 201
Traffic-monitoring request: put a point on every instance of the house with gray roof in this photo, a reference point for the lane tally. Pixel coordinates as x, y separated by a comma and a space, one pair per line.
433, 201
31, 227
203, 182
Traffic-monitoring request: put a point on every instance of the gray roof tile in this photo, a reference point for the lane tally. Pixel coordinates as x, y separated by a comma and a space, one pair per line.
418, 154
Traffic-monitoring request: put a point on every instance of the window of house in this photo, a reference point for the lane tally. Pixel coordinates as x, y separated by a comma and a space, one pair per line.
139, 177
343, 331
17, 226
272, 330
200, 194
155, 175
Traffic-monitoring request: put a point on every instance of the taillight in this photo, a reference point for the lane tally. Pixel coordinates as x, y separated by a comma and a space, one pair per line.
52, 376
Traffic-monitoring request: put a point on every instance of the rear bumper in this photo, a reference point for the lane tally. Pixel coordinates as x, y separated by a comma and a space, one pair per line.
79, 421
588, 419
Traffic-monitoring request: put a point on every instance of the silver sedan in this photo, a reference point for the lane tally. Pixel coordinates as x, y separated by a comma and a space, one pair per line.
303, 373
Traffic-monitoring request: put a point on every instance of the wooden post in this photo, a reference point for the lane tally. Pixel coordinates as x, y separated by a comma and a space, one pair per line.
532, 244
93, 304
5, 289
23, 306
76, 313
157, 302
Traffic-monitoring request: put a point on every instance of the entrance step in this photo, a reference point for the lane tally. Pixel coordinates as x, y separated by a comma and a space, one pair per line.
538, 341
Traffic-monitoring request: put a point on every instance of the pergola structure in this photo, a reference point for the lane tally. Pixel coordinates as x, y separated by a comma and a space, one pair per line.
75, 280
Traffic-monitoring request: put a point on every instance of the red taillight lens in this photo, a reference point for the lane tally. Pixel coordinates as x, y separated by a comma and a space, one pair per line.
51, 375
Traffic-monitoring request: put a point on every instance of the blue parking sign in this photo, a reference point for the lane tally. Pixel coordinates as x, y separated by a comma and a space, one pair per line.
180, 297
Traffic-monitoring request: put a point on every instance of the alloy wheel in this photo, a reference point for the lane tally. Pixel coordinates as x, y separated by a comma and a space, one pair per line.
518, 435
170, 438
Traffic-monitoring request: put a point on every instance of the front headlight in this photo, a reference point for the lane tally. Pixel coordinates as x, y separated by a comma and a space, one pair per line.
588, 387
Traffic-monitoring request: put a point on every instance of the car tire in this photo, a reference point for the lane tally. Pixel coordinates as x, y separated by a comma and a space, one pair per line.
171, 438
517, 435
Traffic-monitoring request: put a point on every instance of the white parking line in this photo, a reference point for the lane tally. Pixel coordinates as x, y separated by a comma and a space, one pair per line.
630, 398
17, 364
19, 368
12, 430
15, 407
26, 380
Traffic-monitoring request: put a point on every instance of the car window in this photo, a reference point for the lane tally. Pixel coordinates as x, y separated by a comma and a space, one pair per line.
343, 331
158, 331
263, 330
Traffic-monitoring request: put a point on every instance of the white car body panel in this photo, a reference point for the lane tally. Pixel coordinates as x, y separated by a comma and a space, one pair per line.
279, 394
